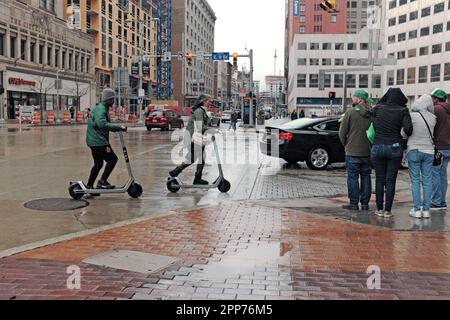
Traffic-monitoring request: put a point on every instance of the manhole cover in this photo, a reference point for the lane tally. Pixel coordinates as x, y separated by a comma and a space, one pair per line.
55, 204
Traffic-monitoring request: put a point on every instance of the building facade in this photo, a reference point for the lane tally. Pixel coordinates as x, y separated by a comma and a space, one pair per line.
312, 53
418, 36
122, 32
37, 48
193, 31
276, 86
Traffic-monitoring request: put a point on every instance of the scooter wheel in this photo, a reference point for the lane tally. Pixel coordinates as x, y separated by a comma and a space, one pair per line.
73, 191
135, 190
173, 186
224, 186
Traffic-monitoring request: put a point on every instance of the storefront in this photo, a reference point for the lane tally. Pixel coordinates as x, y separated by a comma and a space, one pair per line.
37, 90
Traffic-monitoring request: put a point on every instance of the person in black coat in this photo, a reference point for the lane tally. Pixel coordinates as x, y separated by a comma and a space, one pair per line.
390, 116
294, 115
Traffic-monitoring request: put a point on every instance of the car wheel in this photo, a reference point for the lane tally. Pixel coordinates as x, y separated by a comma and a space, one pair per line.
318, 158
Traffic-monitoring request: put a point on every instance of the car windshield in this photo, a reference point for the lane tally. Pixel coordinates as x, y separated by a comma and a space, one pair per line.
299, 123
156, 114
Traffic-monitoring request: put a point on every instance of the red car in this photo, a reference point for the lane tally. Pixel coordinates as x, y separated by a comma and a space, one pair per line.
163, 119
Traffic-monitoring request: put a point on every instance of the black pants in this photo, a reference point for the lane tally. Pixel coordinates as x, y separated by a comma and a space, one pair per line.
101, 154
196, 153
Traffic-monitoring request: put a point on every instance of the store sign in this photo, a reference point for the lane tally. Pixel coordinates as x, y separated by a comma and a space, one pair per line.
21, 82
296, 8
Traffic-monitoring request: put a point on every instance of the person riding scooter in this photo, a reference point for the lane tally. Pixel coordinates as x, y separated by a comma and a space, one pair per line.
97, 138
198, 123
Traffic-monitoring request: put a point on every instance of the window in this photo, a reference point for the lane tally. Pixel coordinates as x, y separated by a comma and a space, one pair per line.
329, 125
392, 21
411, 75
32, 51
425, 31
301, 62
401, 55
435, 73
402, 19
437, 48
338, 81
413, 15
392, 4
351, 46
426, 12
313, 80
12, 45
438, 28
301, 80
423, 74
338, 62
314, 62
447, 71
439, 7
302, 46
401, 77
314, 46
2, 44
364, 46
326, 62
376, 81
447, 46
412, 53
326, 46
363, 81
402, 37
423, 51
339, 46
413, 34
23, 48
390, 78
351, 81
391, 39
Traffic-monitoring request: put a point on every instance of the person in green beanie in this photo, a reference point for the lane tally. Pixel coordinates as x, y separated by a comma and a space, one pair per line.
442, 142
352, 134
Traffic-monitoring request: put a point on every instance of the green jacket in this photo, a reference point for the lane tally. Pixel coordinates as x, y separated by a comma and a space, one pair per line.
99, 126
198, 114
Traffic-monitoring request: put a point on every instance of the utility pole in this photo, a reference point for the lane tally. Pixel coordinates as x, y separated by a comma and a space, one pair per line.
141, 73
251, 88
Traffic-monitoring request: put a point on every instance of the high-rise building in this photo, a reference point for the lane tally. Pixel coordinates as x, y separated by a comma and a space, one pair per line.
193, 31
36, 49
418, 36
120, 39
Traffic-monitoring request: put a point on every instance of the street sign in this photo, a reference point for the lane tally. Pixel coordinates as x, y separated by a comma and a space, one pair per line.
167, 56
141, 93
218, 56
181, 56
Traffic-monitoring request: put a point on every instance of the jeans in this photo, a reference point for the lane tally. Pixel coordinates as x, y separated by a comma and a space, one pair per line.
420, 167
100, 154
386, 159
232, 125
440, 182
358, 167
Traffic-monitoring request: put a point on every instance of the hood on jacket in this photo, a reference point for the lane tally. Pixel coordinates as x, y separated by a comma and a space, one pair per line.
363, 110
424, 103
394, 96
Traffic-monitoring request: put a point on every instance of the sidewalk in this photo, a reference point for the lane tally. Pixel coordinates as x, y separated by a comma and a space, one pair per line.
240, 251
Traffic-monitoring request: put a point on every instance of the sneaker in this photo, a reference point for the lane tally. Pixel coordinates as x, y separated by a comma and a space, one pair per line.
353, 207
426, 214
415, 214
104, 185
200, 182
379, 213
435, 207
388, 214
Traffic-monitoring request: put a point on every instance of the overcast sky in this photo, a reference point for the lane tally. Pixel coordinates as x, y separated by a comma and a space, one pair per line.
257, 24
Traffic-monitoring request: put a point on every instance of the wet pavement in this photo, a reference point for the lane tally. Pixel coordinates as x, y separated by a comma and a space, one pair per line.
280, 232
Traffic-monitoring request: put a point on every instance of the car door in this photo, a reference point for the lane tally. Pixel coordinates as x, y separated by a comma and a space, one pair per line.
330, 131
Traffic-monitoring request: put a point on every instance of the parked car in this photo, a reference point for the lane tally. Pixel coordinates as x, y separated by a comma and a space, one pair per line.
213, 120
315, 141
226, 116
163, 119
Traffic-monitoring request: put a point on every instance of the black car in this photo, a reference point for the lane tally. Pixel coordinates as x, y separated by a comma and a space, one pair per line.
315, 141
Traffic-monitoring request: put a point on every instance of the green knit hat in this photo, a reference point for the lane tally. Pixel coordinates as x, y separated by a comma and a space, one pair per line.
363, 95
439, 94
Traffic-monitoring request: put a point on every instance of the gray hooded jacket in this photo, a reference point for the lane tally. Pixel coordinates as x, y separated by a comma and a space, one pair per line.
420, 139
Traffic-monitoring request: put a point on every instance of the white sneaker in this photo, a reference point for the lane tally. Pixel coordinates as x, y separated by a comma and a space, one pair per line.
415, 214
379, 213
426, 214
388, 214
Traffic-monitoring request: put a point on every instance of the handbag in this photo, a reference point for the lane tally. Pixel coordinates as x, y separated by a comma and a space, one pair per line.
371, 133
437, 155
197, 137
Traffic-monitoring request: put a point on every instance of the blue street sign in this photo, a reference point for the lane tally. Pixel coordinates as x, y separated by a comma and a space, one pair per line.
220, 56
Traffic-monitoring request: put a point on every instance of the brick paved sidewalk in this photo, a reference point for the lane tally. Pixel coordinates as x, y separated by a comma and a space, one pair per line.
241, 251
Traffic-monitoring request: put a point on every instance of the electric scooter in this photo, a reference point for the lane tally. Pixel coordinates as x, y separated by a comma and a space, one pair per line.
77, 189
175, 184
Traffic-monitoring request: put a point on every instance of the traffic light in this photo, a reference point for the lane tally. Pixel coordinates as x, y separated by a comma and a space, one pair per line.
329, 6
235, 57
331, 95
189, 58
